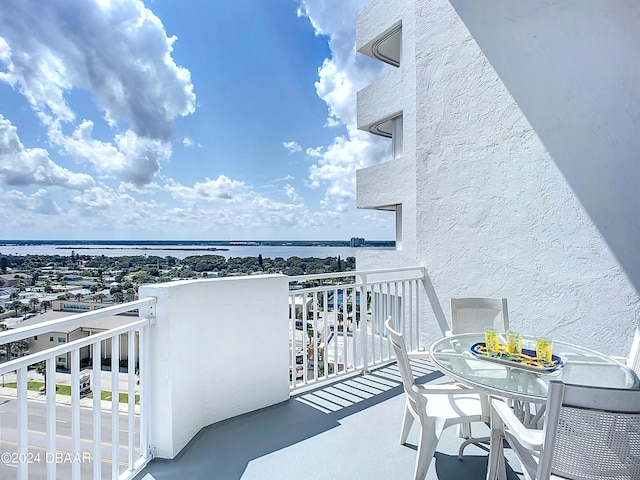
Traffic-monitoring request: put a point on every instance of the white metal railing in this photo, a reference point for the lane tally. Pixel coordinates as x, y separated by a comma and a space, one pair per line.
70, 451
336, 321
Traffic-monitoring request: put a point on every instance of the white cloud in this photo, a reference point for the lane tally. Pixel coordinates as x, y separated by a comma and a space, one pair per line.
292, 147
291, 193
117, 50
232, 204
222, 189
40, 202
190, 142
340, 77
20, 166
132, 158
337, 165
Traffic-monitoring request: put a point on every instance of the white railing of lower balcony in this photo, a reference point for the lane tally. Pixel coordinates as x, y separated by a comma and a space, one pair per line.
125, 431
336, 321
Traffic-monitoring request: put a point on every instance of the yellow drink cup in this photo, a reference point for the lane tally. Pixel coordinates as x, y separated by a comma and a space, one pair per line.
514, 343
491, 340
544, 349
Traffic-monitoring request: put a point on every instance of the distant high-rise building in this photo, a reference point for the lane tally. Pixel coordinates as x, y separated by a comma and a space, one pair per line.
357, 241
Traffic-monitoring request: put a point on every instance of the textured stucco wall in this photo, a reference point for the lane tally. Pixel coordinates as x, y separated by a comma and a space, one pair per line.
494, 214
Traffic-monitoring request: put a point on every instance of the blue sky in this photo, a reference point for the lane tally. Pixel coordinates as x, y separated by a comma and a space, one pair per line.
183, 120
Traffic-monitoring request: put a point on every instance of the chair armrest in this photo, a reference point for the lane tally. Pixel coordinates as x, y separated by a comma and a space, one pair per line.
419, 355
442, 389
529, 439
622, 360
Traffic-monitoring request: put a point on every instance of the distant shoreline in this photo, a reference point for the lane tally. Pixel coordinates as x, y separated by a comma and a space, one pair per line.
209, 249
197, 243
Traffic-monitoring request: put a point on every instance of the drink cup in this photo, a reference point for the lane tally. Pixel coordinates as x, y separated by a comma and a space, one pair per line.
514, 343
544, 349
491, 340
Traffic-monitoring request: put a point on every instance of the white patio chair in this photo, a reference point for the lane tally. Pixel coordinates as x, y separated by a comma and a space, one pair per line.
436, 407
469, 315
589, 433
633, 360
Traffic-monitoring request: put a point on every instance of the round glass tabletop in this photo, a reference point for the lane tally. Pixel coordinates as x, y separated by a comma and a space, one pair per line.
452, 355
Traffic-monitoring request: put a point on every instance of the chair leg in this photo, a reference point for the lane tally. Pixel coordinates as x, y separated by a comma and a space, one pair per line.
464, 430
407, 421
426, 448
471, 441
495, 465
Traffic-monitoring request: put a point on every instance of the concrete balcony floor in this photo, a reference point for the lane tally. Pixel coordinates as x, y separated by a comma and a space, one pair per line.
345, 430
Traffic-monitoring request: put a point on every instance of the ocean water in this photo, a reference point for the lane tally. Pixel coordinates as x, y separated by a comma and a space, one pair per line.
267, 251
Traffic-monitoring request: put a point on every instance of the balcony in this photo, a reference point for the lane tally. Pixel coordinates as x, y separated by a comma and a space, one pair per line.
249, 377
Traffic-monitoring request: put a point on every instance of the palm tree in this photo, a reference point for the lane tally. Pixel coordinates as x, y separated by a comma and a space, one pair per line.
46, 304
7, 346
24, 308
20, 346
14, 296
41, 368
16, 305
99, 297
34, 302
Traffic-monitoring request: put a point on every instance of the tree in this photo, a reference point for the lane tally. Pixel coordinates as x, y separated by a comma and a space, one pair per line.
14, 296
41, 368
16, 305
46, 304
99, 297
4, 263
33, 302
79, 297
19, 346
24, 308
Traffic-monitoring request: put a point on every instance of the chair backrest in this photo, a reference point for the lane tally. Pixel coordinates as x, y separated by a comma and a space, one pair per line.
397, 342
470, 315
591, 433
633, 360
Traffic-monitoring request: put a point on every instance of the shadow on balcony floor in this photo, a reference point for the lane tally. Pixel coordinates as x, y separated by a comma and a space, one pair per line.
345, 430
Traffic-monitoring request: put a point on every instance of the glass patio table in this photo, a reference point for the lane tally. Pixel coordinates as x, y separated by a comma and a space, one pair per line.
582, 366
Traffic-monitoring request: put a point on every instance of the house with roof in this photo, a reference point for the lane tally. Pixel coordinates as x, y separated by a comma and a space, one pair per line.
61, 335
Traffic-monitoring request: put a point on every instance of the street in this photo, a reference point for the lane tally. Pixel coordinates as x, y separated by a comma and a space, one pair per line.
37, 456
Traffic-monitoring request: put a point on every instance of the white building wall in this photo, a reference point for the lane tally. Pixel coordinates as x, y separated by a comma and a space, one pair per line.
497, 212
219, 348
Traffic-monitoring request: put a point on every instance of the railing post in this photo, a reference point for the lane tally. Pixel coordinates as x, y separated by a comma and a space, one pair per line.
96, 387
21, 386
75, 412
363, 325
50, 389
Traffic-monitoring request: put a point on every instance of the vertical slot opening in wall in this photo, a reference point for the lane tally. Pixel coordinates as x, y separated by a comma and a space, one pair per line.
398, 227
396, 137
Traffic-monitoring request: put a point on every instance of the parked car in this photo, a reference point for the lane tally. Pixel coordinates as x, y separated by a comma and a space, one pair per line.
299, 325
